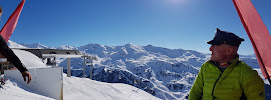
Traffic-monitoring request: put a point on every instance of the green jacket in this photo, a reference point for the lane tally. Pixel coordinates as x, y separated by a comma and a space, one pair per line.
237, 79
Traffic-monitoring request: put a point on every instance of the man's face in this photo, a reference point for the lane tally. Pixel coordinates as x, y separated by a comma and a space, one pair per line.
219, 53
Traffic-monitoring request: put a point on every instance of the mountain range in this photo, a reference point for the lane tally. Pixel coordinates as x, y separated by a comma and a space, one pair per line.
162, 72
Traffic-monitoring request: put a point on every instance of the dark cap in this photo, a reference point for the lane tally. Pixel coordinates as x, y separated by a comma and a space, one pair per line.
224, 37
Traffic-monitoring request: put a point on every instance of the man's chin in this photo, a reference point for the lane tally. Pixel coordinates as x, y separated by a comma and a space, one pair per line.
212, 59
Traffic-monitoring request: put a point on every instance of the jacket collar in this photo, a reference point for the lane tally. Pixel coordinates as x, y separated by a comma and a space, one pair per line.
231, 63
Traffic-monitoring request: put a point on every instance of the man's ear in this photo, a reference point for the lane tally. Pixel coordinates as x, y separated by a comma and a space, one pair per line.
229, 51
1, 11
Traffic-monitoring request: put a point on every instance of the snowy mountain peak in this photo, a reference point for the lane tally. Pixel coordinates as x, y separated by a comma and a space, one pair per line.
12, 44
134, 48
102, 47
35, 45
128, 44
65, 47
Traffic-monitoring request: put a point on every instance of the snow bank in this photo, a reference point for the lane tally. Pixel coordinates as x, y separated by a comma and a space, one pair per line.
86, 89
13, 90
29, 59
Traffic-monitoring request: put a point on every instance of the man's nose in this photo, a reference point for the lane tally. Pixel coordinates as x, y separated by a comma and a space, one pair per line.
211, 48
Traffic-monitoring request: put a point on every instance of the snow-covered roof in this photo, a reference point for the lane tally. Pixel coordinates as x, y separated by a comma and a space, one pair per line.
45, 53
29, 59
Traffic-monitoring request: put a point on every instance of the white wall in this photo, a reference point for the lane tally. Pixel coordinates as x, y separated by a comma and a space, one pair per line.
45, 81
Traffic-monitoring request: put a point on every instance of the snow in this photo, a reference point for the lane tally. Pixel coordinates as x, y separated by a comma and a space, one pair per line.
86, 89
24, 56
65, 47
261, 75
35, 45
12, 44
77, 88
12, 90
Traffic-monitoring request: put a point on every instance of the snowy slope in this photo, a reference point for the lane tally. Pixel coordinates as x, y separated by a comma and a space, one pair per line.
86, 89
24, 56
13, 90
77, 88
12, 44
35, 45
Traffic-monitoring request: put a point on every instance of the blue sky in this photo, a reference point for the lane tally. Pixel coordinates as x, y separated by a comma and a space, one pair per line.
174, 24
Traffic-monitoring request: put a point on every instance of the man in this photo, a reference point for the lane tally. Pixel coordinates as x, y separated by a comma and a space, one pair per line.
6, 52
224, 76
